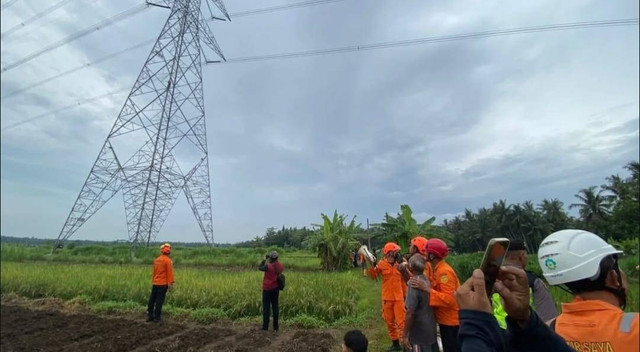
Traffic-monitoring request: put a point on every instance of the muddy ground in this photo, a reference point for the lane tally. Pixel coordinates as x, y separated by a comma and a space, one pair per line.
52, 327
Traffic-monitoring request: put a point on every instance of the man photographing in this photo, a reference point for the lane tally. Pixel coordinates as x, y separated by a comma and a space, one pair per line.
270, 288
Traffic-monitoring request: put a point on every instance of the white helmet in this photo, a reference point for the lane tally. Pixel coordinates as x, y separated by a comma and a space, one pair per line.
572, 255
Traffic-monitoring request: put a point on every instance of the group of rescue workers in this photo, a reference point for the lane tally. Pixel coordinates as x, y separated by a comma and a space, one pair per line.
422, 295
520, 314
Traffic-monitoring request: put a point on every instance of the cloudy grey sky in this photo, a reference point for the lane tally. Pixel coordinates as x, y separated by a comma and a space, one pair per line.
441, 127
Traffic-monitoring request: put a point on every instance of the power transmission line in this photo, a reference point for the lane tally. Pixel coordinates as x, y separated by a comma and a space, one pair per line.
446, 38
35, 17
67, 107
7, 4
464, 36
281, 7
78, 68
141, 44
100, 25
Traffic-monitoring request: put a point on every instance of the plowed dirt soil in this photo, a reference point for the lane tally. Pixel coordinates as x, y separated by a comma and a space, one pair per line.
51, 328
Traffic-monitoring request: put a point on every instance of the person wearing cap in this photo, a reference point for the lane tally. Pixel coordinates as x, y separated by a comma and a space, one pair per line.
393, 310
162, 281
541, 300
270, 289
587, 266
444, 283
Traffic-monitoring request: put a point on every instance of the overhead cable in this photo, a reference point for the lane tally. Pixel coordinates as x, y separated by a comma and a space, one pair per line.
7, 4
428, 40
77, 68
141, 44
100, 25
281, 7
33, 18
67, 107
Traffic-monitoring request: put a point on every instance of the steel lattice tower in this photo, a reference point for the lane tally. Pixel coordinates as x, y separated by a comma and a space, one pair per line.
163, 115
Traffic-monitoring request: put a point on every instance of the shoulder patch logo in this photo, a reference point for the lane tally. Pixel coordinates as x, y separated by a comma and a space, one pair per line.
444, 279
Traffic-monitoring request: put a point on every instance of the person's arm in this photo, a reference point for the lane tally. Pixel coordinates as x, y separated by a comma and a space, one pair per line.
170, 279
533, 335
443, 297
545, 305
479, 332
408, 322
379, 269
263, 265
404, 272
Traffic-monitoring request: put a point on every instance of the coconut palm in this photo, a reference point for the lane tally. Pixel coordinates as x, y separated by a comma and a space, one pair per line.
594, 208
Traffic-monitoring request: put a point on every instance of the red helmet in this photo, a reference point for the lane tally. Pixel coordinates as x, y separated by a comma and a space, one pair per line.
390, 247
420, 243
165, 248
436, 247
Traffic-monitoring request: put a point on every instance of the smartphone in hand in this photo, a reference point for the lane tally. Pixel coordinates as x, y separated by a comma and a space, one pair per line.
492, 260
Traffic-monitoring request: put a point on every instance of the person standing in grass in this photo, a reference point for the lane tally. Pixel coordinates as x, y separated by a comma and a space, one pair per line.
420, 322
392, 292
162, 281
444, 283
270, 289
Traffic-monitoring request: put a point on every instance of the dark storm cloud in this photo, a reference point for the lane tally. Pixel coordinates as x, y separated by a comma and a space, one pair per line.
441, 127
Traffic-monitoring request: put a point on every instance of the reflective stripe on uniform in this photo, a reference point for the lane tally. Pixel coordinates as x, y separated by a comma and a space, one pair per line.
625, 323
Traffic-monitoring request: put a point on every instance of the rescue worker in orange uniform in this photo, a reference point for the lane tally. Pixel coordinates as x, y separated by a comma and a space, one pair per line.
444, 283
392, 292
418, 245
588, 267
162, 281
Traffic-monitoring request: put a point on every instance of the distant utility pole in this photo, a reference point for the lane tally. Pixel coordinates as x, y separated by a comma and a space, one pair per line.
160, 127
368, 236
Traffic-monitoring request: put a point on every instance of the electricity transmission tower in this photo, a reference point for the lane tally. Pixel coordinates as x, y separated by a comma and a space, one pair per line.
161, 124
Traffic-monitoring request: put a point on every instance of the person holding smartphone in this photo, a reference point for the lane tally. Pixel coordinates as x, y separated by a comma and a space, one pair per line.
270, 289
393, 295
541, 300
444, 283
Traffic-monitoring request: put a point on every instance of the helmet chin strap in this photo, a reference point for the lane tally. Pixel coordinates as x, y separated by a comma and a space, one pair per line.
620, 292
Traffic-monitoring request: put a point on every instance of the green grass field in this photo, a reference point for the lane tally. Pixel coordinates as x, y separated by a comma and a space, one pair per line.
187, 256
219, 284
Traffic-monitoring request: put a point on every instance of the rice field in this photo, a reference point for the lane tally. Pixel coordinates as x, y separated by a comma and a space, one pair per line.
327, 297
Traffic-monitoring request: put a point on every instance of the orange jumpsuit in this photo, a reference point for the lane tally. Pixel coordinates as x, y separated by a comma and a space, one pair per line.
162, 271
444, 283
595, 325
393, 288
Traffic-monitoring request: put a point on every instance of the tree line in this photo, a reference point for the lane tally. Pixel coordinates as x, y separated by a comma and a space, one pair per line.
610, 210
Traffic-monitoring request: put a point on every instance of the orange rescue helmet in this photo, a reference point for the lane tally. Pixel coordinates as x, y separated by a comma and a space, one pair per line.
436, 247
420, 243
165, 248
390, 247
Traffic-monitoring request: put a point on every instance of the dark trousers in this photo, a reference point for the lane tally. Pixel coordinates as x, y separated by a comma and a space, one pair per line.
449, 337
156, 300
270, 301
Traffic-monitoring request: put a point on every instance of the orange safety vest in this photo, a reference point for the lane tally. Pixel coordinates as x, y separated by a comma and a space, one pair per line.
594, 326
163, 271
392, 283
444, 283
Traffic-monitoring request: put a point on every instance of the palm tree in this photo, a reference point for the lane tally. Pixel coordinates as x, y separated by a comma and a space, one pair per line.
554, 214
594, 208
634, 168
